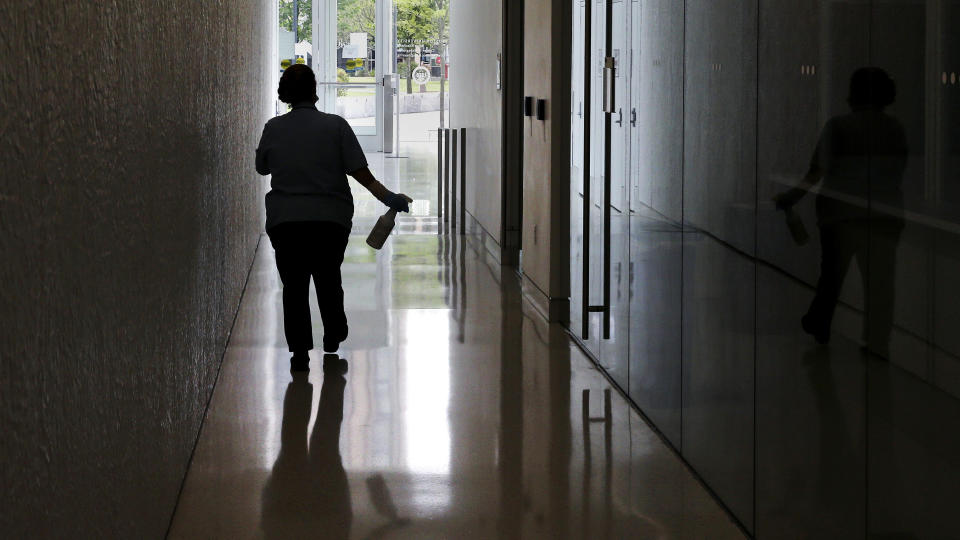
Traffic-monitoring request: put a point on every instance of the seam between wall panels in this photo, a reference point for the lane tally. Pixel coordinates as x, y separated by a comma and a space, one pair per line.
756, 251
683, 205
866, 321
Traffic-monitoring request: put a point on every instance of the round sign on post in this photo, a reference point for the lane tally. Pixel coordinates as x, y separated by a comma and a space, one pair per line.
421, 75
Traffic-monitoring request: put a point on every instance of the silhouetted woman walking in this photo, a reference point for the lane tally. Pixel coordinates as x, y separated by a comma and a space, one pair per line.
860, 158
310, 208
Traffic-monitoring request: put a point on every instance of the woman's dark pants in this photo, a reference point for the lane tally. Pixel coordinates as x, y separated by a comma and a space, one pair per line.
874, 245
304, 249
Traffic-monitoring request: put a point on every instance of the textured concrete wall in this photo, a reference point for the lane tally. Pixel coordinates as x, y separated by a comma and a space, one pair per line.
129, 213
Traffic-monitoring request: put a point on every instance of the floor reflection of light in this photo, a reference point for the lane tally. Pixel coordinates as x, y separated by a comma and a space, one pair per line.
272, 399
427, 391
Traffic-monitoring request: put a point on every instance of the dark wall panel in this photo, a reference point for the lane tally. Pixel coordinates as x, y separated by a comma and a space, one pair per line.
813, 381
657, 145
719, 179
718, 369
810, 420
789, 101
913, 444
911, 311
655, 285
810, 399
656, 212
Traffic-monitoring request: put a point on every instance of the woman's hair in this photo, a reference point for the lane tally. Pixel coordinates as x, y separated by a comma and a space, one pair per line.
871, 87
297, 84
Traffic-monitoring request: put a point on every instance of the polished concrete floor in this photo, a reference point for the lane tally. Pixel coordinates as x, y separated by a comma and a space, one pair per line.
452, 411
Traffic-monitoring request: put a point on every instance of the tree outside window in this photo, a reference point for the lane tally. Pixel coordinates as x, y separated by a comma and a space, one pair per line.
305, 18
420, 23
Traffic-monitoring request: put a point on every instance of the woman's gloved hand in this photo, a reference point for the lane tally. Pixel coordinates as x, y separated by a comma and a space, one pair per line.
398, 202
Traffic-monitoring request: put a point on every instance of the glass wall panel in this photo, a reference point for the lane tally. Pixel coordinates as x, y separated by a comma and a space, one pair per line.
656, 149
810, 416
793, 253
910, 327
719, 202
355, 68
423, 65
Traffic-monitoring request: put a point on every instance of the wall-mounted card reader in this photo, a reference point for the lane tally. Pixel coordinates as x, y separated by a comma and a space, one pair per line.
528, 106
541, 109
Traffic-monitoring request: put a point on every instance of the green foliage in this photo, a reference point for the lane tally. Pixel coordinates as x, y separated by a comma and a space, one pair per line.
439, 29
356, 16
420, 23
305, 18
343, 77
414, 20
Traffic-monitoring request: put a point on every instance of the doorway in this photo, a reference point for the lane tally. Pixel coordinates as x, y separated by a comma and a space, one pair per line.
383, 65
351, 36
422, 64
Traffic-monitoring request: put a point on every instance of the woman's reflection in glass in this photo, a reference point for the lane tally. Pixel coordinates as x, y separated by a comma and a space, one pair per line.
860, 157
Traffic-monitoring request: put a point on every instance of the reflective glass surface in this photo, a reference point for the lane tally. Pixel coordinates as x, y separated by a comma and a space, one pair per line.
793, 255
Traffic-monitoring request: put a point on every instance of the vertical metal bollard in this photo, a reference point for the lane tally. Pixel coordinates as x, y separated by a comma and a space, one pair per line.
463, 180
439, 178
453, 179
446, 175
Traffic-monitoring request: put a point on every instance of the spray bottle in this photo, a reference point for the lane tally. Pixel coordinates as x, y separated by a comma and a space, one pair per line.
382, 229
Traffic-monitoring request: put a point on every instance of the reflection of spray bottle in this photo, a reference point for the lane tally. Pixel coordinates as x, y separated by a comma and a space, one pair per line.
382, 229
795, 224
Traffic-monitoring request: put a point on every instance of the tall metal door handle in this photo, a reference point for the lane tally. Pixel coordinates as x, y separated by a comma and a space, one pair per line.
620, 117
587, 91
610, 64
633, 117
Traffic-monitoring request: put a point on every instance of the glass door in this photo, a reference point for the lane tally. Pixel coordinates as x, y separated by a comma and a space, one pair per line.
614, 354
422, 65
600, 270
351, 35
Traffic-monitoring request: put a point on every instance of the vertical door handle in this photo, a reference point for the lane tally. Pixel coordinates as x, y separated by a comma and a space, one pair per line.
610, 65
620, 117
609, 78
585, 238
633, 117
440, 153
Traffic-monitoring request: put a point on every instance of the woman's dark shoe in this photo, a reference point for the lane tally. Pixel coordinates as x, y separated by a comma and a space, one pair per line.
333, 364
332, 342
330, 345
821, 335
300, 361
